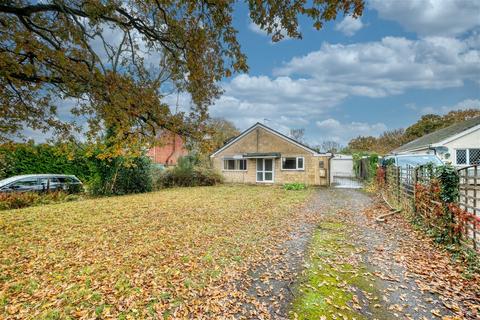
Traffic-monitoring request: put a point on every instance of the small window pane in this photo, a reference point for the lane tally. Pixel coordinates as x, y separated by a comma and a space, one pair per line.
260, 164
268, 164
259, 176
229, 164
242, 164
461, 156
268, 176
474, 156
300, 163
289, 163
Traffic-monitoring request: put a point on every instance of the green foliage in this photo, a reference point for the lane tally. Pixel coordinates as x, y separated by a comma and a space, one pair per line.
29, 158
369, 162
438, 192
117, 175
187, 174
294, 186
449, 179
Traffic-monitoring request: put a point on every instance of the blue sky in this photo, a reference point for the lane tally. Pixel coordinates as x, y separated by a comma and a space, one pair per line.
400, 60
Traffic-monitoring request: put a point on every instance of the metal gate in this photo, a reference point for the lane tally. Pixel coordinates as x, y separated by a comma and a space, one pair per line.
342, 174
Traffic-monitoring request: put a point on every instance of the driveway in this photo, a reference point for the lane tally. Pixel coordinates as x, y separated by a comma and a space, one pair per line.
340, 263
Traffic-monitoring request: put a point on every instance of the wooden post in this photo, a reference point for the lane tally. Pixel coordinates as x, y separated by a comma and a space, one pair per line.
398, 185
415, 180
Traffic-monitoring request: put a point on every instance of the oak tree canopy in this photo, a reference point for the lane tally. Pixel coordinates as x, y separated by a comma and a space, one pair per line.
113, 63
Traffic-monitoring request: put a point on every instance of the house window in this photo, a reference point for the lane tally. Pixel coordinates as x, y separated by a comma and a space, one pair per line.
293, 163
468, 156
242, 164
462, 156
233, 164
474, 156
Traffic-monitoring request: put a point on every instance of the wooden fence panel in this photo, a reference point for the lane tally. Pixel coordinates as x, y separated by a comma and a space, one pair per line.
417, 192
469, 202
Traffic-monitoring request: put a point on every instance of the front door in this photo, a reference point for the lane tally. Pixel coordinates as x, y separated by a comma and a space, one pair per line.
265, 170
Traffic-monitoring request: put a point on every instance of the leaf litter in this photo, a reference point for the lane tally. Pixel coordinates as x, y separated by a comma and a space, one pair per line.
226, 252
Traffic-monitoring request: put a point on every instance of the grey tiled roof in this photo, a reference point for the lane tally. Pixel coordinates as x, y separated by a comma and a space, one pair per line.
439, 135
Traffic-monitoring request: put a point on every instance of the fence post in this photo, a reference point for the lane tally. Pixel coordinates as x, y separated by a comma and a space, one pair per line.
415, 181
398, 185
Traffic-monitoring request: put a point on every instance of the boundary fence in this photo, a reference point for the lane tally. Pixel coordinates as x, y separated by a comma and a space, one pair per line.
448, 201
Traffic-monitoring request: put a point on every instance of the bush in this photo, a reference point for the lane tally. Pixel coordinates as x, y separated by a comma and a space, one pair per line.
17, 200
117, 176
294, 186
186, 174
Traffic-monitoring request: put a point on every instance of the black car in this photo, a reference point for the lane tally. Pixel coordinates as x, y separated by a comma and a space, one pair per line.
41, 182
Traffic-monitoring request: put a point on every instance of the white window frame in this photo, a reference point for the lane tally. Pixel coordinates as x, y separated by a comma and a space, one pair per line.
236, 165
467, 156
296, 164
263, 171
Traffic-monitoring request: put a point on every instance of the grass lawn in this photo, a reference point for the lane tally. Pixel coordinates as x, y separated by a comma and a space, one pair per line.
174, 253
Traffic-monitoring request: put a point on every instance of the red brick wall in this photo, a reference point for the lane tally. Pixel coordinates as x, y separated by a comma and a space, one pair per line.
168, 152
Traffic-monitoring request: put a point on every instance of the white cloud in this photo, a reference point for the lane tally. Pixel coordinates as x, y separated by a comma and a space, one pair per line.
349, 25
334, 130
390, 66
285, 101
431, 17
252, 26
306, 88
256, 28
462, 105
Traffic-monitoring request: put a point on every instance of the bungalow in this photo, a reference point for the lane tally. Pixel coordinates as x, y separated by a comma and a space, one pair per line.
458, 144
263, 155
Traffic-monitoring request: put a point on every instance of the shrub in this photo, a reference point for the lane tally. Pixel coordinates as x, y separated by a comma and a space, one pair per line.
186, 174
17, 200
365, 165
294, 186
117, 176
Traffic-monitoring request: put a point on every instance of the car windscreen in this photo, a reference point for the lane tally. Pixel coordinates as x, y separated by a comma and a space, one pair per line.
6, 181
418, 160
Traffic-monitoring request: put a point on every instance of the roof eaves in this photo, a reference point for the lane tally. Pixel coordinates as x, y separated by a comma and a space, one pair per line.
258, 124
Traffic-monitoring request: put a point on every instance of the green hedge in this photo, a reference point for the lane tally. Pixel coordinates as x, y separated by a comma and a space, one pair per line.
29, 158
100, 176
